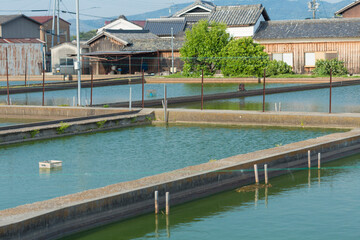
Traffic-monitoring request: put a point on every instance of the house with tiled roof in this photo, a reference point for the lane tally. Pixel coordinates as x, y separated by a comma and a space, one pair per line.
241, 20
300, 43
125, 50
351, 10
120, 24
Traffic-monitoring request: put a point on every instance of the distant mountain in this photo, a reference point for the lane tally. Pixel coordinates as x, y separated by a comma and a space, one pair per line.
277, 10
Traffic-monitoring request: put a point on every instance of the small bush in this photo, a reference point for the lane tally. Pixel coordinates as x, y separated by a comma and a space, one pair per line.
34, 132
322, 67
62, 128
100, 124
278, 67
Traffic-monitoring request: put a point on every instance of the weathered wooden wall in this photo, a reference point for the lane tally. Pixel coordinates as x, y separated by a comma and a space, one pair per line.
349, 52
106, 44
20, 54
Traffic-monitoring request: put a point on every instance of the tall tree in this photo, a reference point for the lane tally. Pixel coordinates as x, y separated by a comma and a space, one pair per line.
202, 47
243, 57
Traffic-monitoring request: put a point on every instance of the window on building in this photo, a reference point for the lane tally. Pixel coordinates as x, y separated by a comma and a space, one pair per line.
312, 57
66, 61
285, 57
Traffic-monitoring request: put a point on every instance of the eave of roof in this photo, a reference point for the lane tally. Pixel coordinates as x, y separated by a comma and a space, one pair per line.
21, 40
14, 17
341, 11
209, 6
44, 19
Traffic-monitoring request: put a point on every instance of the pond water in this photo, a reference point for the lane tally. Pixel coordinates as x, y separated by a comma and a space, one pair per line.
344, 99
100, 159
120, 93
322, 205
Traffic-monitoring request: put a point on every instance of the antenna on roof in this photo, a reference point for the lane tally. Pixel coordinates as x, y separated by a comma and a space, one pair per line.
313, 7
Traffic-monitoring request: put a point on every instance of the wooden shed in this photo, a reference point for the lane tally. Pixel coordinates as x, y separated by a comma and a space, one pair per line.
123, 51
300, 43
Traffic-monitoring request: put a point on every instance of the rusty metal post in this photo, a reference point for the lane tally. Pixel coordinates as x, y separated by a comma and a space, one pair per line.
92, 82
264, 90
330, 90
202, 89
25, 68
143, 80
7, 76
141, 64
43, 93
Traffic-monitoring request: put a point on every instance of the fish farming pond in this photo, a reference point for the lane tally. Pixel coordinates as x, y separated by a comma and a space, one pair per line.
99, 159
321, 204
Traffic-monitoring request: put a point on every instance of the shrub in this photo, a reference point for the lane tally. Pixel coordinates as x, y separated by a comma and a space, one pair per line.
322, 67
278, 67
62, 128
243, 57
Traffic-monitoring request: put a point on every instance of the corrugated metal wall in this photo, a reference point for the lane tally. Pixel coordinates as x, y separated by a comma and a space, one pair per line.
18, 53
349, 52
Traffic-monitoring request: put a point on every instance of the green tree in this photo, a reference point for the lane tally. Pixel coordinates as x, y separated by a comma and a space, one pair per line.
84, 36
202, 47
243, 57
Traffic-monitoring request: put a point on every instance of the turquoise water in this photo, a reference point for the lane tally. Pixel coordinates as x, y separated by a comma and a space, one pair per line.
120, 93
324, 205
344, 99
99, 159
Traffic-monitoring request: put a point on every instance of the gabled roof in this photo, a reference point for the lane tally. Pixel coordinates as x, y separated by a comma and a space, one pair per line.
162, 26
140, 23
241, 15
120, 24
44, 19
314, 28
124, 36
4, 19
205, 5
341, 11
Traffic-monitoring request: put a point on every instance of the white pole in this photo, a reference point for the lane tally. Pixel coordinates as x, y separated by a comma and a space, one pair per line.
172, 50
53, 25
256, 173
319, 160
58, 22
266, 174
78, 51
167, 201
309, 159
156, 202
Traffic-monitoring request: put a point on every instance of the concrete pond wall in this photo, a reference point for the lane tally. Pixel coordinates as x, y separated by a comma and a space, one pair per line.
69, 214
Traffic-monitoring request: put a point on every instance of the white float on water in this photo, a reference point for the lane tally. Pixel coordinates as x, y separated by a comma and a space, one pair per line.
50, 164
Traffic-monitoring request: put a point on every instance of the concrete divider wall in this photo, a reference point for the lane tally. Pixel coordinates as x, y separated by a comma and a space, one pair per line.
73, 128
66, 215
59, 112
228, 117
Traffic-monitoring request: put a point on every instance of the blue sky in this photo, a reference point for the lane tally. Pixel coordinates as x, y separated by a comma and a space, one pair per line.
105, 8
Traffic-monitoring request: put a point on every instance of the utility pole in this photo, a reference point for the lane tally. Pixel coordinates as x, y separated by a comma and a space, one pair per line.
313, 7
78, 63
58, 22
53, 25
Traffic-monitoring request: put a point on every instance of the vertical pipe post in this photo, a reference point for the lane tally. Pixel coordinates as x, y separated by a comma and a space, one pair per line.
130, 100
92, 85
330, 90
165, 103
53, 25
256, 173
58, 22
158, 61
264, 90
143, 86
309, 159
141, 65
7, 76
202, 89
167, 200
129, 64
43, 92
25, 68
266, 174
156, 202
319, 160
172, 50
